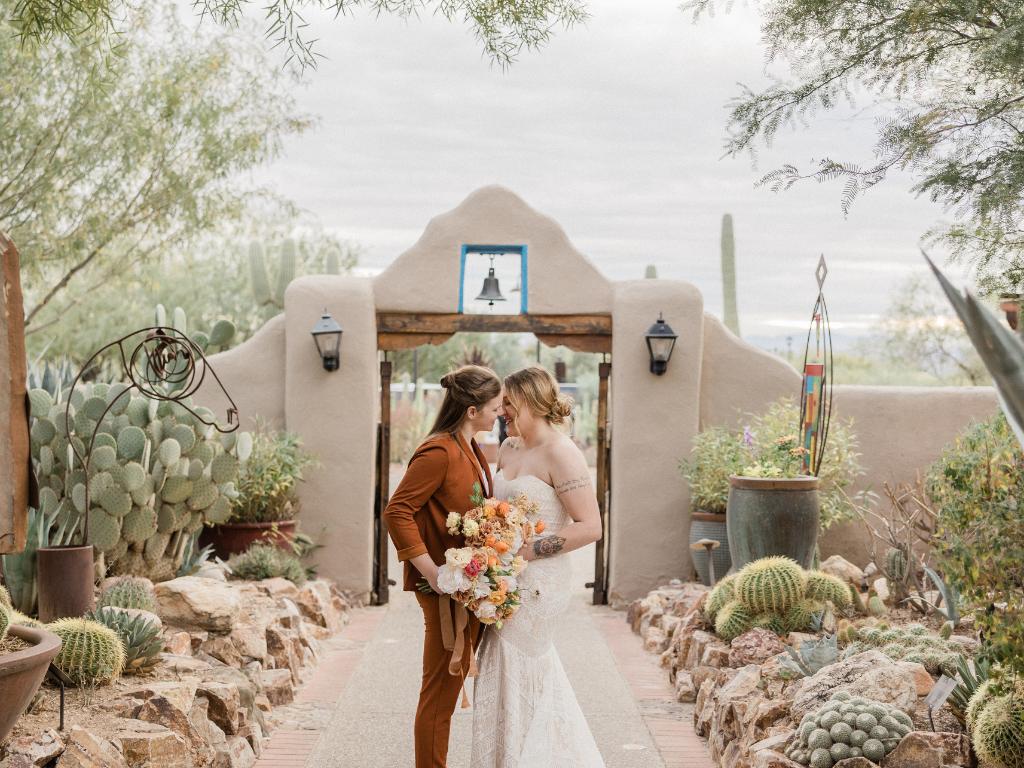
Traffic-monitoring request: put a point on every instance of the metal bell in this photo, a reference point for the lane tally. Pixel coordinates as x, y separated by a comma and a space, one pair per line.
490, 292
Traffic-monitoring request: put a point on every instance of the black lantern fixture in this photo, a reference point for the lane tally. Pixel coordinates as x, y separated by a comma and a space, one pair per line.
661, 340
490, 292
327, 337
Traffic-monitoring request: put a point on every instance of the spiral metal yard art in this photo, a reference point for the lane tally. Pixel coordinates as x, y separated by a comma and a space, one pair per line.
165, 366
816, 390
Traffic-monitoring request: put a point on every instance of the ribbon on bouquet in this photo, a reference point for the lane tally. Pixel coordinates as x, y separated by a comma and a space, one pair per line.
453, 638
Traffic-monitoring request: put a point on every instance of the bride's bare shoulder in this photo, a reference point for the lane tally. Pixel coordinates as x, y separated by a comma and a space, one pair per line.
508, 445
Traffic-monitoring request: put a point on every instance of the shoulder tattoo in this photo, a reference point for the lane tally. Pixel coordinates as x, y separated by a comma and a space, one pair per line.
548, 546
583, 481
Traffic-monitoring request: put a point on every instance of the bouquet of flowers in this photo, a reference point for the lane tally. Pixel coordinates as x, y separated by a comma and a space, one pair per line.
483, 575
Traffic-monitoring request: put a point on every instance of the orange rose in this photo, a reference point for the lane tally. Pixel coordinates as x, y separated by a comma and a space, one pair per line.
539, 526
503, 509
489, 541
492, 560
501, 546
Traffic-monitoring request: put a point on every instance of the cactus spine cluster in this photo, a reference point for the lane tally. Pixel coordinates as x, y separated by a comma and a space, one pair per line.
774, 593
129, 592
90, 654
848, 726
157, 473
910, 643
995, 716
5, 620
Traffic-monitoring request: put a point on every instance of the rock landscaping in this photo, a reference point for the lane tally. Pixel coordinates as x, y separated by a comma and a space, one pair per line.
233, 651
862, 706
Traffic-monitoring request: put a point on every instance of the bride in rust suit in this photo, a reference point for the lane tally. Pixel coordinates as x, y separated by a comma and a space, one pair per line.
439, 480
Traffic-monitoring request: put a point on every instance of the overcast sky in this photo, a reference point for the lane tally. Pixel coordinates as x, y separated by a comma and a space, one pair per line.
616, 130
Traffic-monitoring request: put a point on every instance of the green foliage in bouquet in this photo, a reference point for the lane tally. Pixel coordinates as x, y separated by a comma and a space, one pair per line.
977, 489
91, 654
142, 640
848, 726
157, 473
774, 593
267, 483
769, 446
266, 561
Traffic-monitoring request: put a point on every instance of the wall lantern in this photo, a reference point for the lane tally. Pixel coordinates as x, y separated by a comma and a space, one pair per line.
661, 340
490, 292
327, 336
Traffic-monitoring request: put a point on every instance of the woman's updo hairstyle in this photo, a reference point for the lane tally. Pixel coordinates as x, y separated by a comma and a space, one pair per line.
536, 389
470, 385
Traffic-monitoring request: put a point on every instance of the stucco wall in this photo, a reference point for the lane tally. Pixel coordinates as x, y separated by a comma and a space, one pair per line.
653, 421
335, 413
426, 277
253, 374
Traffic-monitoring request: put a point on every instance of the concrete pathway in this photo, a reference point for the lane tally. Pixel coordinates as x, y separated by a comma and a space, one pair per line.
357, 708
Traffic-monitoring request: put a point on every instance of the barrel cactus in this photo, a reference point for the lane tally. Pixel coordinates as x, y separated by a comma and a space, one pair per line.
774, 593
129, 592
848, 726
5, 620
5, 597
913, 642
157, 474
996, 719
90, 654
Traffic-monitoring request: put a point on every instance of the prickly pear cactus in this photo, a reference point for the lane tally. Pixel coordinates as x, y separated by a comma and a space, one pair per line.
90, 654
848, 726
157, 473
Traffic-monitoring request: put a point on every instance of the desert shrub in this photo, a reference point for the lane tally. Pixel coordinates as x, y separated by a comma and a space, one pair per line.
266, 561
268, 480
977, 486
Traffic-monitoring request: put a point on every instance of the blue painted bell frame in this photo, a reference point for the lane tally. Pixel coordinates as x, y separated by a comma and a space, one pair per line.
488, 250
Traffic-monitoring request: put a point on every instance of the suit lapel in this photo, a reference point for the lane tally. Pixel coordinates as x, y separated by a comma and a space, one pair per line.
477, 462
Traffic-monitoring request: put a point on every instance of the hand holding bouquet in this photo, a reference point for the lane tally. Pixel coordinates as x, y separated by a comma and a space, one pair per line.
483, 575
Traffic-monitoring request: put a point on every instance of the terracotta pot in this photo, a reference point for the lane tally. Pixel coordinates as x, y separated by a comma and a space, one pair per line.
773, 516
66, 577
710, 525
234, 538
22, 672
1010, 304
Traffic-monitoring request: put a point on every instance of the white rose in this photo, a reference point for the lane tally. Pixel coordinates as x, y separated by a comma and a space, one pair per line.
482, 588
458, 558
511, 584
518, 565
487, 611
454, 518
452, 579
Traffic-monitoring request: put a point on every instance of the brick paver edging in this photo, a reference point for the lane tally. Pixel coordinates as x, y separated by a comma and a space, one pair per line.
292, 748
670, 723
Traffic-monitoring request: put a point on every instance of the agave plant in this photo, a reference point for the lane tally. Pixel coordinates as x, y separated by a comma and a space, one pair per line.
813, 656
972, 675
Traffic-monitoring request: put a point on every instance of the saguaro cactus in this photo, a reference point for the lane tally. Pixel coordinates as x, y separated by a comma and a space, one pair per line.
730, 315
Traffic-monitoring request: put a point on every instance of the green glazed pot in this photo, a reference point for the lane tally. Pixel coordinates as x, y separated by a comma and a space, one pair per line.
772, 516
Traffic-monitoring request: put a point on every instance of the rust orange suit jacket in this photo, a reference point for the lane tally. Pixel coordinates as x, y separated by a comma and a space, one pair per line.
438, 480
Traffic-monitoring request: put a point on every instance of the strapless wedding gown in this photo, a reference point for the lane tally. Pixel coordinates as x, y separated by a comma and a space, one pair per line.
525, 712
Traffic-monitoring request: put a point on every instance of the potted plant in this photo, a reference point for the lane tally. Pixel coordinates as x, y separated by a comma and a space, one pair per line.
267, 502
772, 508
25, 655
717, 454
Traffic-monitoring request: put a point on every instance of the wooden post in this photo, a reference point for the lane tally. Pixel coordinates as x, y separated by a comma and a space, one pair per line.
603, 489
380, 579
15, 457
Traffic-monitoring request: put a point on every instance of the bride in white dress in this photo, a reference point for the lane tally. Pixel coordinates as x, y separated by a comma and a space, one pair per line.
525, 712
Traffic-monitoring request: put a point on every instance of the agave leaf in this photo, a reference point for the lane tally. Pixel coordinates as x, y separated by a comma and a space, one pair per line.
1000, 349
950, 597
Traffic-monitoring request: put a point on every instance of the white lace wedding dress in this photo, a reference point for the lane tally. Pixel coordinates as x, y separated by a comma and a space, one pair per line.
525, 712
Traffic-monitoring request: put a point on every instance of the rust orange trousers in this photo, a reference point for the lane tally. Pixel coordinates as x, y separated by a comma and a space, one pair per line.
440, 689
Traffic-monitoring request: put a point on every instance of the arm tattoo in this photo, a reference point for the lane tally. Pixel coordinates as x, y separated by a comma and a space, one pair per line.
548, 546
573, 485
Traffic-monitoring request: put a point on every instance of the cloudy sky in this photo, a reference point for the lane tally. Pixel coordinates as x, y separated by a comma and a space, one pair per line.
616, 130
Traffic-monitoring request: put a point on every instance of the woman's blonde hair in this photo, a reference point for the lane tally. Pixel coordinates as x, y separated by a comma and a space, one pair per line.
535, 388
470, 385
